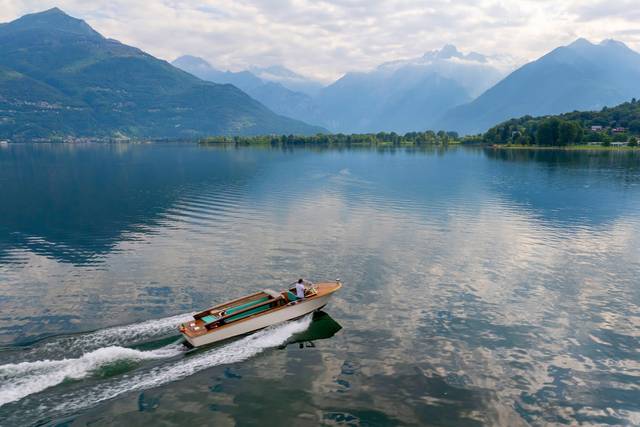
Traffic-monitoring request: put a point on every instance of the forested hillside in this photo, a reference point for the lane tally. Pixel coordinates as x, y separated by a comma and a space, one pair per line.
617, 124
61, 79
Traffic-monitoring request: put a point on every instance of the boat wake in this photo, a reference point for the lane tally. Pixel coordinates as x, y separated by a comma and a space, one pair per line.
127, 335
18, 380
27, 389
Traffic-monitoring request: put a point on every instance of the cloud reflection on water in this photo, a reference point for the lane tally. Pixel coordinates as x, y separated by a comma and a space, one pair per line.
459, 301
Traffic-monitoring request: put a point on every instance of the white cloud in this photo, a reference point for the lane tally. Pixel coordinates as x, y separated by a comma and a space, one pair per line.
325, 38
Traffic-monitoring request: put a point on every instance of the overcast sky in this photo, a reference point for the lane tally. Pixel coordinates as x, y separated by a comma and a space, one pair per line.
326, 38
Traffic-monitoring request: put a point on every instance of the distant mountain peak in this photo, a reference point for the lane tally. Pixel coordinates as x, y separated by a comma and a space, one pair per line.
477, 57
191, 61
275, 70
613, 43
581, 42
54, 19
189, 58
277, 73
53, 11
606, 42
450, 51
287, 78
585, 47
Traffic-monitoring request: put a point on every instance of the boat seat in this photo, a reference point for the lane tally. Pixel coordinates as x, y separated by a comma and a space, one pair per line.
249, 313
246, 305
209, 319
291, 296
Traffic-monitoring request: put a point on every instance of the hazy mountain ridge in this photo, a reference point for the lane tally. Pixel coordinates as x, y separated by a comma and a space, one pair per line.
273, 95
59, 77
405, 95
474, 71
400, 96
580, 76
398, 102
287, 78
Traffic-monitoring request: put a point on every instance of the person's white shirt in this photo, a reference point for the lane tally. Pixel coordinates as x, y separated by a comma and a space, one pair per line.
300, 290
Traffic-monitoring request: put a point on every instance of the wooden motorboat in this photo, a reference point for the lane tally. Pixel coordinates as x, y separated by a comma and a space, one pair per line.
253, 312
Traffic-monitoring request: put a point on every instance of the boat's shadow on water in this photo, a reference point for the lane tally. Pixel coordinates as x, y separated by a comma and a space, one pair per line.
322, 327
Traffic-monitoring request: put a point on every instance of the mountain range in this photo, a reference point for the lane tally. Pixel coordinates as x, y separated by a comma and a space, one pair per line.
396, 96
59, 77
266, 85
580, 76
450, 90
406, 95
287, 78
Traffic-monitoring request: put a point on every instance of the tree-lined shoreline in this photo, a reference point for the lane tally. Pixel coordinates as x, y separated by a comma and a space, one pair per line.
618, 125
608, 129
373, 139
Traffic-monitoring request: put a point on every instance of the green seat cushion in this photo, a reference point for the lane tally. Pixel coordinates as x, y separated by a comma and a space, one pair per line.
246, 305
291, 296
249, 313
209, 319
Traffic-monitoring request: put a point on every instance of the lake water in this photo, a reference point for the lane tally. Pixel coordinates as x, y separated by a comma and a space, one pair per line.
481, 287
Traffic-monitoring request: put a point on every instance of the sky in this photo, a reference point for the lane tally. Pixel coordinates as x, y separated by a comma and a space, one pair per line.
326, 38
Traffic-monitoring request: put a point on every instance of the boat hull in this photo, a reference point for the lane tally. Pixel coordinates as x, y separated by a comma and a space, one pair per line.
253, 324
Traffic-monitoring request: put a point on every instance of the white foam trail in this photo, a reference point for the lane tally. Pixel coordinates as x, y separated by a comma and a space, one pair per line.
234, 352
117, 335
18, 380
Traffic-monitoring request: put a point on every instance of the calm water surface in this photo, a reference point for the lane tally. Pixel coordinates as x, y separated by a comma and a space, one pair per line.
481, 287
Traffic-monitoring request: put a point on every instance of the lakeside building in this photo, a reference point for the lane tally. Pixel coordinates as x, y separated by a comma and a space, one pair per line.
596, 128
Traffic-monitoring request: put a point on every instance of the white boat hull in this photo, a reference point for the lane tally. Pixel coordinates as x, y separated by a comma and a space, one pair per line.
252, 324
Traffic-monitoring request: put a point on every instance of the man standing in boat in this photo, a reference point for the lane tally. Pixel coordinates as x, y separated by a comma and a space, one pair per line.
300, 289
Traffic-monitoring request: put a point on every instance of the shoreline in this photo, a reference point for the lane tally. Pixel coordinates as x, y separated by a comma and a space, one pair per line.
335, 144
563, 148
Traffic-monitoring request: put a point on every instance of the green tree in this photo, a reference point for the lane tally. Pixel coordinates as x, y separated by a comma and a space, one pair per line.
544, 135
566, 133
569, 133
591, 136
548, 132
620, 137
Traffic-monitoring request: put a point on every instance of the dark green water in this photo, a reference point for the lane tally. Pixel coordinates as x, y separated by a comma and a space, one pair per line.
480, 287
